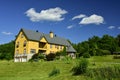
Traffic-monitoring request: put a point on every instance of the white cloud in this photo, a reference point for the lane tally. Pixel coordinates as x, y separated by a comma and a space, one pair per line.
52, 14
93, 19
111, 27
69, 27
6, 33
118, 27
79, 16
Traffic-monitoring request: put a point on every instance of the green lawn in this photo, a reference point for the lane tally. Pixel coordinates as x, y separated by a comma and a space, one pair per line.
40, 70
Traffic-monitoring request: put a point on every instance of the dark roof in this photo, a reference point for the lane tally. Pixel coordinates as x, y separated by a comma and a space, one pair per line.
33, 35
71, 49
36, 36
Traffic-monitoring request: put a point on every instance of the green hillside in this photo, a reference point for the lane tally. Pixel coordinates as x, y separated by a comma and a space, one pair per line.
40, 70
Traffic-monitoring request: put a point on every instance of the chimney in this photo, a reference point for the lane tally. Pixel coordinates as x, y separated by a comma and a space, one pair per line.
51, 34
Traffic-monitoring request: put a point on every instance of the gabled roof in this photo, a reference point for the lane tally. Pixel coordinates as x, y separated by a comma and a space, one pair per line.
37, 36
32, 35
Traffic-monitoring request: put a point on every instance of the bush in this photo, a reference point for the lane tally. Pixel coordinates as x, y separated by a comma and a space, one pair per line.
116, 57
41, 56
66, 59
50, 57
35, 56
57, 55
107, 73
54, 72
86, 55
81, 67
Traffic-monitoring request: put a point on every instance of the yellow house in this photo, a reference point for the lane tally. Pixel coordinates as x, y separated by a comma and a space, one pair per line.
30, 42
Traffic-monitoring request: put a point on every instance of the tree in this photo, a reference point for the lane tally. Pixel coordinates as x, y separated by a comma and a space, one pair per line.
108, 43
7, 50
98, 46
8, 56
118, 40
64, 53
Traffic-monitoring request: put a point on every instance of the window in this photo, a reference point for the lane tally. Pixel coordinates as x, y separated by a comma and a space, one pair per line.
32, 51
60, 47
25, 42
50, 45
22, 35
17, 45
56, 46
17, 52
24, 52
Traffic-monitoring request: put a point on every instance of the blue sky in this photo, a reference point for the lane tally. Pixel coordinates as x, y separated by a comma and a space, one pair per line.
76, 20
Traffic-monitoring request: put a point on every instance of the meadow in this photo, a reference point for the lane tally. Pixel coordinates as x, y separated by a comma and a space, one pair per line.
40, 70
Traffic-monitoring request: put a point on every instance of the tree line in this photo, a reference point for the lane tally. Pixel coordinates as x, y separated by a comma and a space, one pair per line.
7, 51
98, 46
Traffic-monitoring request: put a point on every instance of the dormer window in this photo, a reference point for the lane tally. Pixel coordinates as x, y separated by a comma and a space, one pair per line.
17, 45
25, 42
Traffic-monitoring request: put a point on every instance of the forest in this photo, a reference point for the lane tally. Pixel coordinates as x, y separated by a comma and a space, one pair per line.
98, 46
7, 51
94, 46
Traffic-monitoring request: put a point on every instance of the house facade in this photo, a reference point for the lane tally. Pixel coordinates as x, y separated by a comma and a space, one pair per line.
28, 43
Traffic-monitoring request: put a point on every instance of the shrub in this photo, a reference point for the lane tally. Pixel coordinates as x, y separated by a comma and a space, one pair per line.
107, 73
54, 72
67, 59
50, 57
81, 67
63, 53
116, 57
31, 60
57, 55
41, 56
86, 55
35, 56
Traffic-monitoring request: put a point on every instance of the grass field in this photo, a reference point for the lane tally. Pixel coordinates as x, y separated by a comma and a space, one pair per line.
40, 70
